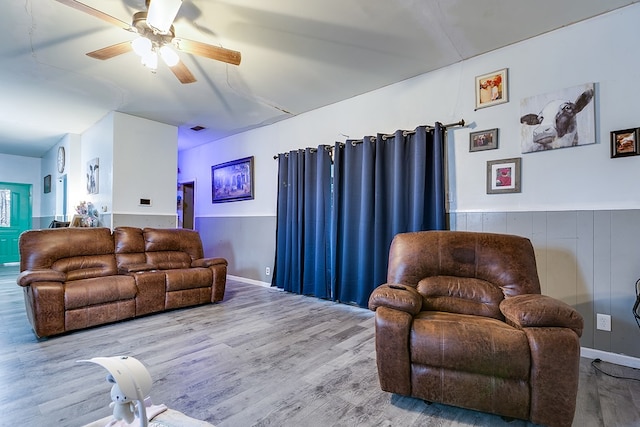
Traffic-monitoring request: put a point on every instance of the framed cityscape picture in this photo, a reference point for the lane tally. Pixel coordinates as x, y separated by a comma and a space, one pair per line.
232, 181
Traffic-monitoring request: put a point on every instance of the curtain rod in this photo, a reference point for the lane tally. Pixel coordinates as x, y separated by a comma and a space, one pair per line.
460, 122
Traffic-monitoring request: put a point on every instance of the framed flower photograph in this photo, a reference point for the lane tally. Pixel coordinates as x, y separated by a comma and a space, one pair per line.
483, 140
492, 89
503, 176
624, 143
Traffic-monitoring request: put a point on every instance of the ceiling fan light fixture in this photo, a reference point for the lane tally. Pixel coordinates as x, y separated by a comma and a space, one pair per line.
162, 13
141, 46
169, 56
150, 60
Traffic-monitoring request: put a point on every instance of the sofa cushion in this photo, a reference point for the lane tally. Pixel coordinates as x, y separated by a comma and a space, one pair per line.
86, 267
167, 260
129, 247
475, 344
173, 239
86, 292
39, 249
464, 295
178, 280
128, 240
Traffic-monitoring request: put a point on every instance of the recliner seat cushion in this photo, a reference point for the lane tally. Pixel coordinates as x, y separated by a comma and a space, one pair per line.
94, 291
461, 342
179, 280
504, 396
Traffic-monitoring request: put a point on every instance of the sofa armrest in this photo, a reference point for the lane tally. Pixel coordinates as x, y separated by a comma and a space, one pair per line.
534, 310
398, 297
208, 262
135, 268
28, 277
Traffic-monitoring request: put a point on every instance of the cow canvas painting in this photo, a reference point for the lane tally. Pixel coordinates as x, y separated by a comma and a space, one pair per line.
92, 176
559, 119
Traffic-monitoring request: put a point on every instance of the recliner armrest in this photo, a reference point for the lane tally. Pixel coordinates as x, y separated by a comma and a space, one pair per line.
208, 262
399, 297
28, 277
534, 310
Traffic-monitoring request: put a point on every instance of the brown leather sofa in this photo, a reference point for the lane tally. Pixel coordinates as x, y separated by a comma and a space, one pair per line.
461, 321
75, 278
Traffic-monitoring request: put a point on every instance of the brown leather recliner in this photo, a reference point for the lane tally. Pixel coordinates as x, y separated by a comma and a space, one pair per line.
461, 321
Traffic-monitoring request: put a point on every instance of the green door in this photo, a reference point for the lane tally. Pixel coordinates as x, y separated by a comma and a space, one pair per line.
15, 217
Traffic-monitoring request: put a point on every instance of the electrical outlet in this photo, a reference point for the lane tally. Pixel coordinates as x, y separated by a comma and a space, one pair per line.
604, 322
267, 271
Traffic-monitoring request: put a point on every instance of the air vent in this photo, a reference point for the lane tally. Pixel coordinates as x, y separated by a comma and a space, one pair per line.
198, 128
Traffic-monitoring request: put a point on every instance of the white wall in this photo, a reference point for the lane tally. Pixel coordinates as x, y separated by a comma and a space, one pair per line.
146, 154
97, 142
599, 50
137, 159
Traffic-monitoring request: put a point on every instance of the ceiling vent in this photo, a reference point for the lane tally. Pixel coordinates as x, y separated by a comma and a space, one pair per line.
198, 128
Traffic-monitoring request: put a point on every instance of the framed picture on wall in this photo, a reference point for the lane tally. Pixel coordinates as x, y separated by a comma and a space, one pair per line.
624, 143
561, 119
483, 140
232, 181
47, 184
93, 175
503, 176
492, 89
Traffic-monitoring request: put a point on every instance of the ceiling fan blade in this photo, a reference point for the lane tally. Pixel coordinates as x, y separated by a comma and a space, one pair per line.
182, 73
98, 14
208, 51
111, 51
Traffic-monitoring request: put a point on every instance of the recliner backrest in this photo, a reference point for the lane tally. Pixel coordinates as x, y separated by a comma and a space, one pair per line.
172, 248
506, 261
129, 246
81, 253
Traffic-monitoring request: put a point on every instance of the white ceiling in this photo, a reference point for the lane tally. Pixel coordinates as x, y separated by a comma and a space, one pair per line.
296, 56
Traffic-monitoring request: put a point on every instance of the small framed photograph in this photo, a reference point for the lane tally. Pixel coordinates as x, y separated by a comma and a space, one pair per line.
483, 140
47, 184
492, 89
624, 143
503, 176
232, 181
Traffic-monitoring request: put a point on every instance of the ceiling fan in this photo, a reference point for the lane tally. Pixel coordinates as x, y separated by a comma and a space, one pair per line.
156, 38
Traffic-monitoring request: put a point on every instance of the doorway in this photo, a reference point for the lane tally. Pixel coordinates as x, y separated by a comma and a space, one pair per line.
15, 217
188, 205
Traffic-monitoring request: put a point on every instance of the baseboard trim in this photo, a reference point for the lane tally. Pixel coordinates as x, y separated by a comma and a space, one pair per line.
249, 281
618, 359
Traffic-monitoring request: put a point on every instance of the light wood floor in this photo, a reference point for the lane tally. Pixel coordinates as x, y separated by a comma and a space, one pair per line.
260, 358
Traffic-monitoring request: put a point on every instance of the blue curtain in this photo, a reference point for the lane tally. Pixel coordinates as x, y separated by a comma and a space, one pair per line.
303, 222
382, 186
